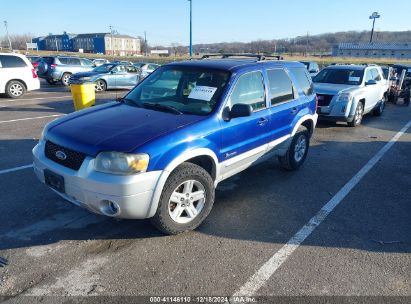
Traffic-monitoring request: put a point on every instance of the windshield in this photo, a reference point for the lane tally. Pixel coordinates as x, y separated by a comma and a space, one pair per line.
340, 76
187, 90
104, 68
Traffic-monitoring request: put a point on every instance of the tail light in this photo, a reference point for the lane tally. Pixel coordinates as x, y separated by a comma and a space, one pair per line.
33, 72
35, 64
316, 102
53, 66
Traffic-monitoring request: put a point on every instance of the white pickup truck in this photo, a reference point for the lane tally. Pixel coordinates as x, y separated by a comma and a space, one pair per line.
347, 92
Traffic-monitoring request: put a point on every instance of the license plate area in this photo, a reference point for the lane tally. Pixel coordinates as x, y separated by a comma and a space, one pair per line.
54, 181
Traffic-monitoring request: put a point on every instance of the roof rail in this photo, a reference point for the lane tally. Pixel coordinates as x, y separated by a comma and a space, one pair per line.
259, 57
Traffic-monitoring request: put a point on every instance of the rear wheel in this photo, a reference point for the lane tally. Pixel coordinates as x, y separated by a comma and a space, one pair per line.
359, 112
101, 85
297, 151
15, 89
380, 108
65, 79
186, 200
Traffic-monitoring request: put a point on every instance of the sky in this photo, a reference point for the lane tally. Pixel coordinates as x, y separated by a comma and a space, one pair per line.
167, 21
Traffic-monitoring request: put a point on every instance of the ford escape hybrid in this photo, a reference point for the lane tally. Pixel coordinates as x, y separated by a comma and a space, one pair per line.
161, 151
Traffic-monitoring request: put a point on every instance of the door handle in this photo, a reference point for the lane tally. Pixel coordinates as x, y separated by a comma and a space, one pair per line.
294, 110
262, 121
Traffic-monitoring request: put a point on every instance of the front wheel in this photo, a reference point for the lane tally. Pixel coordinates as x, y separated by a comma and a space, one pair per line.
359, 112
101, 85
186, 200
297, 151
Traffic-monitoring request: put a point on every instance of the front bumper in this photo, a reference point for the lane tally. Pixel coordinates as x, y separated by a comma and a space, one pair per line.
336, 111
93, 190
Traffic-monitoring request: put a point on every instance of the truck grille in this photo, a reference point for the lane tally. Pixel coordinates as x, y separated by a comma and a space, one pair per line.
324, 99
73, 159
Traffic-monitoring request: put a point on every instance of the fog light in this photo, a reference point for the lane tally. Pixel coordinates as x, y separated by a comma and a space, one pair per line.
109, 208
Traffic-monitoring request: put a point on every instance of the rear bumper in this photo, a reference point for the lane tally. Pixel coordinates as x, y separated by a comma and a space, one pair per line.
94, 190
33, 85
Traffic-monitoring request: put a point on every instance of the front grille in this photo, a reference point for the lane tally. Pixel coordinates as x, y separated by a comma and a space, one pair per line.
73, 159
324, 99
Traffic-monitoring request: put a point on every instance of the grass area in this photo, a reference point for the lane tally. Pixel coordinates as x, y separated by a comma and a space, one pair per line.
322, 61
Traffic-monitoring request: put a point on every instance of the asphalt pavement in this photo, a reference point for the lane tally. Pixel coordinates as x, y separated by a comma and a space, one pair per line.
268, 234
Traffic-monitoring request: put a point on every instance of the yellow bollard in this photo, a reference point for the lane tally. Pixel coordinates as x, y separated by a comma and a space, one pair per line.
84, 95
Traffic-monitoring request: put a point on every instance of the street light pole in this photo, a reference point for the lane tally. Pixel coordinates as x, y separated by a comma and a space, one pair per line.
7, 33
374, 16
191, 28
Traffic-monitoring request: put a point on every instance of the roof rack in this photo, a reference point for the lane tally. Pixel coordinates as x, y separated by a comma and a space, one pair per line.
259, 57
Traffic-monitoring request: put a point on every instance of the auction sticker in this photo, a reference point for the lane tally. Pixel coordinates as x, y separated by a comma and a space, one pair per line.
202, 93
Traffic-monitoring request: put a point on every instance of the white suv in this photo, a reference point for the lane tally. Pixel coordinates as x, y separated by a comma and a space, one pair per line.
347, 92
17, 75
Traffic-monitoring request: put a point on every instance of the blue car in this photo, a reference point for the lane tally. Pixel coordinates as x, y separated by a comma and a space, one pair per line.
161, 151
109, 76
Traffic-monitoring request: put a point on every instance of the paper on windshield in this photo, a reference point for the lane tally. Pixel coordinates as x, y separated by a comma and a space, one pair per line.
202, 93
354, 79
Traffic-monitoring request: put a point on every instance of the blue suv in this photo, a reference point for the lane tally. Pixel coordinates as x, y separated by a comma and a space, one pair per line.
161, 151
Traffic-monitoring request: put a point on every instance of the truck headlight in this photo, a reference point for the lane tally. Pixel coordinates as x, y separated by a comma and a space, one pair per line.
344, 97
121, 163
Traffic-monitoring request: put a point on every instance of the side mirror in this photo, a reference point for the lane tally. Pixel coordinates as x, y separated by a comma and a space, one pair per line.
371, 82
113, 72
241, 110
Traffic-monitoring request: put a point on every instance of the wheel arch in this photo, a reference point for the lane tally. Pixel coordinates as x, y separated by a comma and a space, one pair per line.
19, 80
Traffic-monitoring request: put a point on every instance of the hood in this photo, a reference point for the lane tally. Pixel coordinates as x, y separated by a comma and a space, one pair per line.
332, 88
86, 74
114, 127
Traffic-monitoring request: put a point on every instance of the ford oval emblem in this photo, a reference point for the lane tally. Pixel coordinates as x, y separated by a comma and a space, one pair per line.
61, 155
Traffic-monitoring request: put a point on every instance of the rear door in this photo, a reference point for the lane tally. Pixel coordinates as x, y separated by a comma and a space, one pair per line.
132, 76
284, 102
244, 139
13, 67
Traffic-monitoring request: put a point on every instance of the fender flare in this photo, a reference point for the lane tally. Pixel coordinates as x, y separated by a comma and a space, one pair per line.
312, 117
170, 167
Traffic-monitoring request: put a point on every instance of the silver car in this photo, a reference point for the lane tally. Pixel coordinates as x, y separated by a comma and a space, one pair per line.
109, 76
146, 68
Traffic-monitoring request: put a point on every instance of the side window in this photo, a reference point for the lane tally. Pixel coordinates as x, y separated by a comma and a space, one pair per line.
368, 75
375, 75
86, 62
12, 62
63, 60
303, 79
74, 61
281, 87
249, 89
152, 67
131, 69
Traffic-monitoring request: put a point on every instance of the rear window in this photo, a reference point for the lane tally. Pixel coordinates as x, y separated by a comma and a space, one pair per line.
48, 60
303, 79
12, 62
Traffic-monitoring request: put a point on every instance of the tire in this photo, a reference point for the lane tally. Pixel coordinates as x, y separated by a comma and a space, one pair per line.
65, 79
101, 85
175, 215
297, 151
15, 89
380, 108
359, 112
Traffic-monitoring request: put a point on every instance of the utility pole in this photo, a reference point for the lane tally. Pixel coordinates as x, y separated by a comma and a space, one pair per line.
191, 28
374, 16
57, 46
145, 43
111, 39
7, 33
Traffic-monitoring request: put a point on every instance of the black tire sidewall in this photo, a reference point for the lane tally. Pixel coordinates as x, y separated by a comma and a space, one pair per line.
62, 81
293, 162
187, 171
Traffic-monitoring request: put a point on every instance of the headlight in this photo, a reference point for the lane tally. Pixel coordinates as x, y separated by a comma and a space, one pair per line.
121, 163
344, 97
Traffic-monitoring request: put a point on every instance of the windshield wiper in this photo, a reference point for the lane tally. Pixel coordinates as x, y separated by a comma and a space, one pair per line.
128, 101
162, 107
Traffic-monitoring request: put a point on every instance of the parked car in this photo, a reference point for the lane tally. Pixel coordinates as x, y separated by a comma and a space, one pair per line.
312, 67
17, 75
146, 68
161, 150
60, 68
347, 92
100, 61
109, 76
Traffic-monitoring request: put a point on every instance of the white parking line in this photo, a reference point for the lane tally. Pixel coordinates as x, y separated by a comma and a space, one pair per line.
15, 169
271, 266
31, 118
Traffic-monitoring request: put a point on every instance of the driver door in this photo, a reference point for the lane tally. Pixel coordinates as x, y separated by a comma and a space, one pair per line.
244, 139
